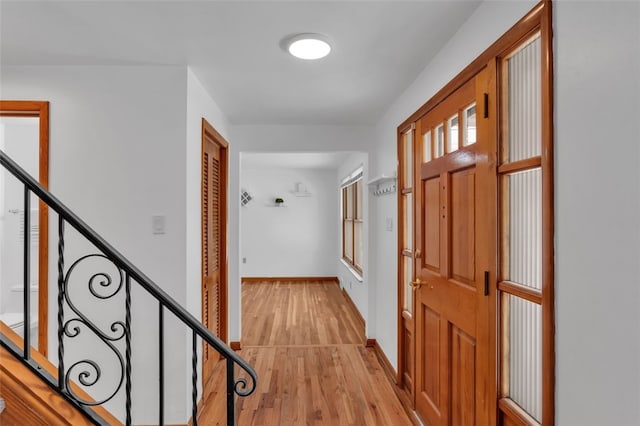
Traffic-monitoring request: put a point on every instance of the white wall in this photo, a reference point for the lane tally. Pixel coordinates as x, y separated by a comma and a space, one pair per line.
117, 157
597, 198
276, 138
382, 274
597, 58
298, 239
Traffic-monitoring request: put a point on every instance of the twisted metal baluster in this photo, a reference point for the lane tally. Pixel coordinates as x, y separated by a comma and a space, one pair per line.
194, 382
127, 305
60, 303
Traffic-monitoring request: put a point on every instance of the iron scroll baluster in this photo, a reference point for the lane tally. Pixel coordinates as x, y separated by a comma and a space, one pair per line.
91, 372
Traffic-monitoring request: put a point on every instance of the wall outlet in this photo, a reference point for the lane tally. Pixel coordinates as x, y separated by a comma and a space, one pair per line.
389, 224
244, 260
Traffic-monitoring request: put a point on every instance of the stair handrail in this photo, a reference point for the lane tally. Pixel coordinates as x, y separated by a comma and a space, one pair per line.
240, 387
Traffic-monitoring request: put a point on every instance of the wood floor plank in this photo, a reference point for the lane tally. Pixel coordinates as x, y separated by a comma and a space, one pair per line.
307, 347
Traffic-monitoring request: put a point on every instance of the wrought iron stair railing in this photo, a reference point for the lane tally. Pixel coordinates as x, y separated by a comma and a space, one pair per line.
103, 286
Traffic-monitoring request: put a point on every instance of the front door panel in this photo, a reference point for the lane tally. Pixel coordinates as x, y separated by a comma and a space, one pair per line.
450, 299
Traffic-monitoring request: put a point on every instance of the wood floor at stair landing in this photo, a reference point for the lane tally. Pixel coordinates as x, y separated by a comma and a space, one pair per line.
306, 344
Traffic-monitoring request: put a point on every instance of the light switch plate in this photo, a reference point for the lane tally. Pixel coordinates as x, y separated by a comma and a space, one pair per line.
158, 224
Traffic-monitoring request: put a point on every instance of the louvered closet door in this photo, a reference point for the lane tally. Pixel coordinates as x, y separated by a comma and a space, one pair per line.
211, 202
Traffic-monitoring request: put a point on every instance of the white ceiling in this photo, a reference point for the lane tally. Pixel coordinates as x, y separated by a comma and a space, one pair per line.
293, 160
379, 47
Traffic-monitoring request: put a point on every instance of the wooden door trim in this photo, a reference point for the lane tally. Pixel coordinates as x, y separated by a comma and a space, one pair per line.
209, 130
39, 109
400, 290
515, 413
488, 143
462, 158
548, 214
209, 133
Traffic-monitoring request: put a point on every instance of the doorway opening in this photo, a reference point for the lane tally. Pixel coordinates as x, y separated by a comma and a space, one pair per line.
24, 136
291, 221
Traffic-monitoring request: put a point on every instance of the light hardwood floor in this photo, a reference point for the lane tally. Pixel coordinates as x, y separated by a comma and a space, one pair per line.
306, 344
294, 313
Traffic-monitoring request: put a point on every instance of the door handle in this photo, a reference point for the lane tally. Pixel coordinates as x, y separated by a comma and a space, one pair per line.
418, 254
417, 283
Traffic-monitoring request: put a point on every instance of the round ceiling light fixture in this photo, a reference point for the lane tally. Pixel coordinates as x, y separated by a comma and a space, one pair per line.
308, 46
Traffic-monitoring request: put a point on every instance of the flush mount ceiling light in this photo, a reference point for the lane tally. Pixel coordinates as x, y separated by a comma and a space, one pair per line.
308, 46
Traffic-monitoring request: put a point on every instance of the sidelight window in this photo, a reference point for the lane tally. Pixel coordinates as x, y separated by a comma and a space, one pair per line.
524, 283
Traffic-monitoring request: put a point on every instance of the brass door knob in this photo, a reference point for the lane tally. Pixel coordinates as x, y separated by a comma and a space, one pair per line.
418, 254
417, 283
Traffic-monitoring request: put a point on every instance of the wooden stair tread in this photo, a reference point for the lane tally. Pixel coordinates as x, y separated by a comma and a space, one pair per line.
29, 400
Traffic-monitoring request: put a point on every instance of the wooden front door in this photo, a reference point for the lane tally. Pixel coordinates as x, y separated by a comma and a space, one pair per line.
455, 251
214, 278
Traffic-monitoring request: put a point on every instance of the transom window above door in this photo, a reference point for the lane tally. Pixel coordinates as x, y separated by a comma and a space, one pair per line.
454, 131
